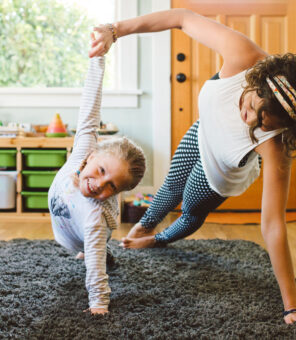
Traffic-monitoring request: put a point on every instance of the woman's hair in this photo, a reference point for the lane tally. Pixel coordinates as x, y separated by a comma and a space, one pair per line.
272, 66
124, 149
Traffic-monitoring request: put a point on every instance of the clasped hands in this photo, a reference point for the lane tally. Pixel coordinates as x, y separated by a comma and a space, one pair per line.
101, 41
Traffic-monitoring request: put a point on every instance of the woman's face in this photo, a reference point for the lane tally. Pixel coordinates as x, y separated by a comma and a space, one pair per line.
103, 176
249, 108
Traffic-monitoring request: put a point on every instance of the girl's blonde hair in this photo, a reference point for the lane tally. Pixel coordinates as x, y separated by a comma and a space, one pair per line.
124, 149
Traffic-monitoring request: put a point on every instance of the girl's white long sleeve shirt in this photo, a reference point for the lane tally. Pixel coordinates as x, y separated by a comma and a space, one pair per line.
80, 223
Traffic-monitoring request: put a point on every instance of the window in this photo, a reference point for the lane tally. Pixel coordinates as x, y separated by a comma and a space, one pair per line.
45, 44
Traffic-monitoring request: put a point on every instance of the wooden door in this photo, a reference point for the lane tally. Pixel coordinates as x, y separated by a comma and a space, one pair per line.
269, 23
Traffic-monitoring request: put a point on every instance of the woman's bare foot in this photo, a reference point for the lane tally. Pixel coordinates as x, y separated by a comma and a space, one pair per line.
140, 242
80, 256
139, 231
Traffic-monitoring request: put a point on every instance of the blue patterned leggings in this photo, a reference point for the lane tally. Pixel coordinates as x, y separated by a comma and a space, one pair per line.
185, 181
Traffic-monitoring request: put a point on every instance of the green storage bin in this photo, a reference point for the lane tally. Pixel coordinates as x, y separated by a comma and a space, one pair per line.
7, 158
44, 158
35, 200
38, 179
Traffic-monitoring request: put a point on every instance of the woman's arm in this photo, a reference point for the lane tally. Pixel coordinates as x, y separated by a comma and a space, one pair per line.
276, 179
237, 50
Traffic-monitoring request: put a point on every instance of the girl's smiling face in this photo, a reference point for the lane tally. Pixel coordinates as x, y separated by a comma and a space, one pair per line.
249, 104
104, 175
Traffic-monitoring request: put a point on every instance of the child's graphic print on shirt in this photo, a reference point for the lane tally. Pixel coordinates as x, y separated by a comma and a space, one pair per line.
59, 208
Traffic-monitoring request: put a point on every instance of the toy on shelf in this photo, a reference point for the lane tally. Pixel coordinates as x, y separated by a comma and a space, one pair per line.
107, 129
140, 200
56, 128
13, 129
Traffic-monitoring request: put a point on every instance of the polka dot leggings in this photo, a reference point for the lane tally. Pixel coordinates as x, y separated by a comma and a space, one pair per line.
185, 181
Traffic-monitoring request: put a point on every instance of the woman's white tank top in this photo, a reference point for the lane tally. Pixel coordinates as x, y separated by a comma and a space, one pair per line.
224, 138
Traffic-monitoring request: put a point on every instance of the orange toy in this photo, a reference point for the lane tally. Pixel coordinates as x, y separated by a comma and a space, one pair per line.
56, 128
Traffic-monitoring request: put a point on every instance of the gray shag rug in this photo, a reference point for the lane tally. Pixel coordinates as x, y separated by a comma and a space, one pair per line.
205, 289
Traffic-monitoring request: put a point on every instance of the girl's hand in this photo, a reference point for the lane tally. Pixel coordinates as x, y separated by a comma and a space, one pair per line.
96, 311
102, 39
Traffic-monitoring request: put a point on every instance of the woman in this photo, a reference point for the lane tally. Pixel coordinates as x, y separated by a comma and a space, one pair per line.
249, 111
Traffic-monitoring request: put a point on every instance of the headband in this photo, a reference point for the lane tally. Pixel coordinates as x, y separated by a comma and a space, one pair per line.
282, 82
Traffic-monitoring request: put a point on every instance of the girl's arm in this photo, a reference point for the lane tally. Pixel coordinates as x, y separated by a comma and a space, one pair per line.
95, 254
276, 178
90, 107
238, 51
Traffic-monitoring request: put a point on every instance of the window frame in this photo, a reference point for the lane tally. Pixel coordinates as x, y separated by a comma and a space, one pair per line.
126, 93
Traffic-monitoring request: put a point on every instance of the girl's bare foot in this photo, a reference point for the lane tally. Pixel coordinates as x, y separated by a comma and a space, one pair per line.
80, 256
138, 231
140, 242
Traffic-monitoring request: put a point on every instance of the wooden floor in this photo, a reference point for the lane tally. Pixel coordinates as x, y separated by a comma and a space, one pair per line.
251, 232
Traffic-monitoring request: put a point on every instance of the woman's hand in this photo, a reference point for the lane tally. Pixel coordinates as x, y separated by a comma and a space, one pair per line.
102, 39
290, 318
96, 311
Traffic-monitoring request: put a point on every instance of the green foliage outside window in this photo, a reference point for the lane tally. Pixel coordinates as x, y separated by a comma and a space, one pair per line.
43, 43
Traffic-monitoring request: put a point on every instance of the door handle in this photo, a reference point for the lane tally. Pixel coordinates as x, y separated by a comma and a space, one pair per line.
180, 56
181, 77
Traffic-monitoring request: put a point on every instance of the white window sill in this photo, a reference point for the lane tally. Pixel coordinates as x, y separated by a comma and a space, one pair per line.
63, 97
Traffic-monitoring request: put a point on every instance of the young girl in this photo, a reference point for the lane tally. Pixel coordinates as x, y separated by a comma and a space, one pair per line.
82, 201
247, 110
